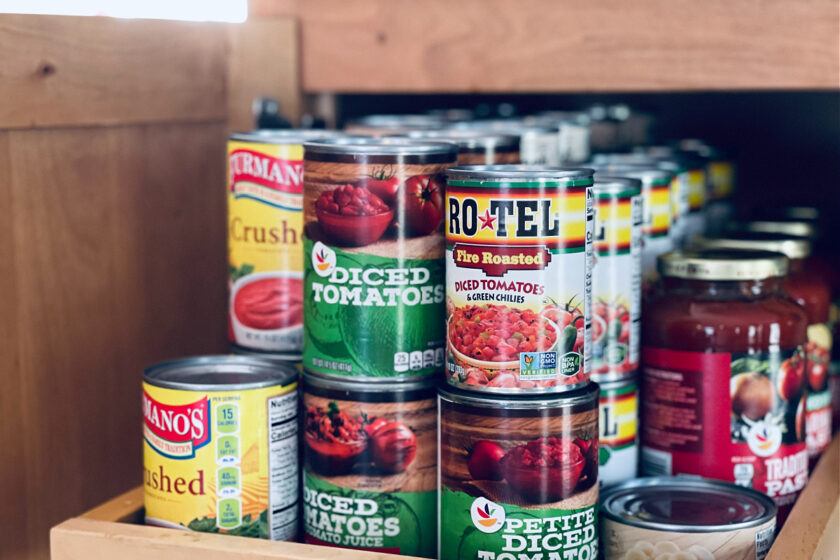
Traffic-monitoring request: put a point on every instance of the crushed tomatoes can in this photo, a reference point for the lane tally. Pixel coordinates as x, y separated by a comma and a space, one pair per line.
370, 464
518, 475
220, 446
373, 257
518, 283
265, 269
618, 455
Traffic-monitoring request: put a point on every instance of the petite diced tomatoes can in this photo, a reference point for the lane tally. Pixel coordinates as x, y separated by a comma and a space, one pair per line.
518, 282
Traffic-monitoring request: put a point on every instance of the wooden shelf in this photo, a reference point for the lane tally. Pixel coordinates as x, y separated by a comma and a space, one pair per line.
381, 46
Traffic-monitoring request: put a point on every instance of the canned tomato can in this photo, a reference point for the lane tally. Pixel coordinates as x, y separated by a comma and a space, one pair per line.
370, 464
617, 278
265, 270
476, 147
220, 446
538, 144
518, 475
373, 257
518, 257
685, 517
618, 456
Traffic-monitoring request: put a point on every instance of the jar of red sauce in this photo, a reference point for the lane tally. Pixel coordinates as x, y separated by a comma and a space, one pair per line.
723, 373
813, 293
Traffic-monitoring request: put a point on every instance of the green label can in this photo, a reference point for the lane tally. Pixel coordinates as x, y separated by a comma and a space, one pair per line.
518, 476
370, 456
373, 257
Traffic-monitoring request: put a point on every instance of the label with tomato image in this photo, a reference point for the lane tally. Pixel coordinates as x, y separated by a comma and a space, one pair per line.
818, 402
618, 455
370, 476
265, 269
517, 278
373, 264
617, 284
516, 480
737, 418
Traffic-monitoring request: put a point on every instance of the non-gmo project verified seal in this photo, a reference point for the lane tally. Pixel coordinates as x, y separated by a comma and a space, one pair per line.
537, 366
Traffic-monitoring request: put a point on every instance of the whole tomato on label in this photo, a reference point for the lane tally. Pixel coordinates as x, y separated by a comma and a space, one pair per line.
589, 448
483, 461
423, 200
393, 447
374, 424
790, 377
383, 183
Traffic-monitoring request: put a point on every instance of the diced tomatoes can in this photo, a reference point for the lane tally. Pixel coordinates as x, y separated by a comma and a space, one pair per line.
518, 258
220, 446
617, 278
370, 464
518, 475
618, 455
685, 517
374, 257
265, 269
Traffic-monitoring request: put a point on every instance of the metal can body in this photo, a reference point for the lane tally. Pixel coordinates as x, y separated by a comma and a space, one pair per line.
370, 461
220, 446
518, 473
618, 405
373, 257
518, 252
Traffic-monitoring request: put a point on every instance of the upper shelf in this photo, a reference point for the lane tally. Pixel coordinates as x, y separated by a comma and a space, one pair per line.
563, 45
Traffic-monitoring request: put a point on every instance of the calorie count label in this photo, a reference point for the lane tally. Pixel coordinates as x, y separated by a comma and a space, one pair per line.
283, 466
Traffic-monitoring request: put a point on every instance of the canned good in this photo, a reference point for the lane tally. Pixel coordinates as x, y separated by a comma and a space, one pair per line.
292, 359
617, 278
220, 446
476, 147
573, 133
373, 257
518, 257
618, 456
538, 144
518, 475
370, 464
720, 174
385, 125
685, 517
265, 270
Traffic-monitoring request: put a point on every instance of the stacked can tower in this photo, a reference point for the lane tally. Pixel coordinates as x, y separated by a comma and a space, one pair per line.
374, 341
519, 420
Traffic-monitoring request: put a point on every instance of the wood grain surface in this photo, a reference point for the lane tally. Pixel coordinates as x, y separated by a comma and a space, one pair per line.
545, 45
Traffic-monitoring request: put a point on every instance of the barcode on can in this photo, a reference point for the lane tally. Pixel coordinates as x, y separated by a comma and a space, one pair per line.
656, 463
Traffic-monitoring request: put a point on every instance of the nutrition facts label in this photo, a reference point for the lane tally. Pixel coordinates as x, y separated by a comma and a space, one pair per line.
228, 471
283, 466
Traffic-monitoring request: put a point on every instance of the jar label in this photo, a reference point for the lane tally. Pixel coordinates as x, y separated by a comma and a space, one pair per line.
618, 452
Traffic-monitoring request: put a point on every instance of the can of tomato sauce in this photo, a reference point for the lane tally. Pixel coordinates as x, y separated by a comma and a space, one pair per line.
618, 455
616, 278
370, 464
518, 284
518, 475
476, 147
373, 257
723, 373
265, 269
220, 446
685, 517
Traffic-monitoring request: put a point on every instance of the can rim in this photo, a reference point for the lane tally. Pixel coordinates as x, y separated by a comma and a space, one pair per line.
361, 385
791, 247
466, 137
796, 228
664, 484
645, 172
611, 186
505, 126
520, 401
284, 136
517, 172
389, 145
395, 120
265, 372
722, 264
238, 350
618, 383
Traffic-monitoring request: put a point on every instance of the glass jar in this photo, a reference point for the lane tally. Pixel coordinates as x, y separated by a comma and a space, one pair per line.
723, 368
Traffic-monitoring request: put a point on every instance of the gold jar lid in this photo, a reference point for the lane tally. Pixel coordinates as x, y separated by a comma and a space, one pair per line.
791, 247
722, 264
782, 227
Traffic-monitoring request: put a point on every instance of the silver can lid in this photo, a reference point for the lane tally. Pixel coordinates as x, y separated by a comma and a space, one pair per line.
722, 264
379, 146
686, 504
400, 121
285, 136
796, 229
791, 247
381, 386
518, 173
219, 373
521, 401
647, 173
469, 139
612, 187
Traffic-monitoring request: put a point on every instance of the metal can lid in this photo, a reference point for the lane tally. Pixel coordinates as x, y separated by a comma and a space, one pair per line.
377, 385
285, 136
686, 504
469, 139
520, 401
722, 264
219, 373
518, 173
613, 187
399, 121
291, 357
608, 384
647, 173
791, 247
507, 126
668, 164
796, 229
378, 146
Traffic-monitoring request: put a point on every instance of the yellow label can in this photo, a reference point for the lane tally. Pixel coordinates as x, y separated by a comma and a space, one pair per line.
220, 446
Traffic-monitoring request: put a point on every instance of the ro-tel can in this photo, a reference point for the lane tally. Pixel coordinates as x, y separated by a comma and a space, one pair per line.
518, 475
538, 144
617, 278
220, 446
723, 373
387, 125
720, 174
685, 517
618, 456
373, 257
370, 464
518, 283
265, 282
476, 147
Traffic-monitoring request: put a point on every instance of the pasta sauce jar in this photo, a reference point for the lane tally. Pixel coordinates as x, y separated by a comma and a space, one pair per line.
723, 373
